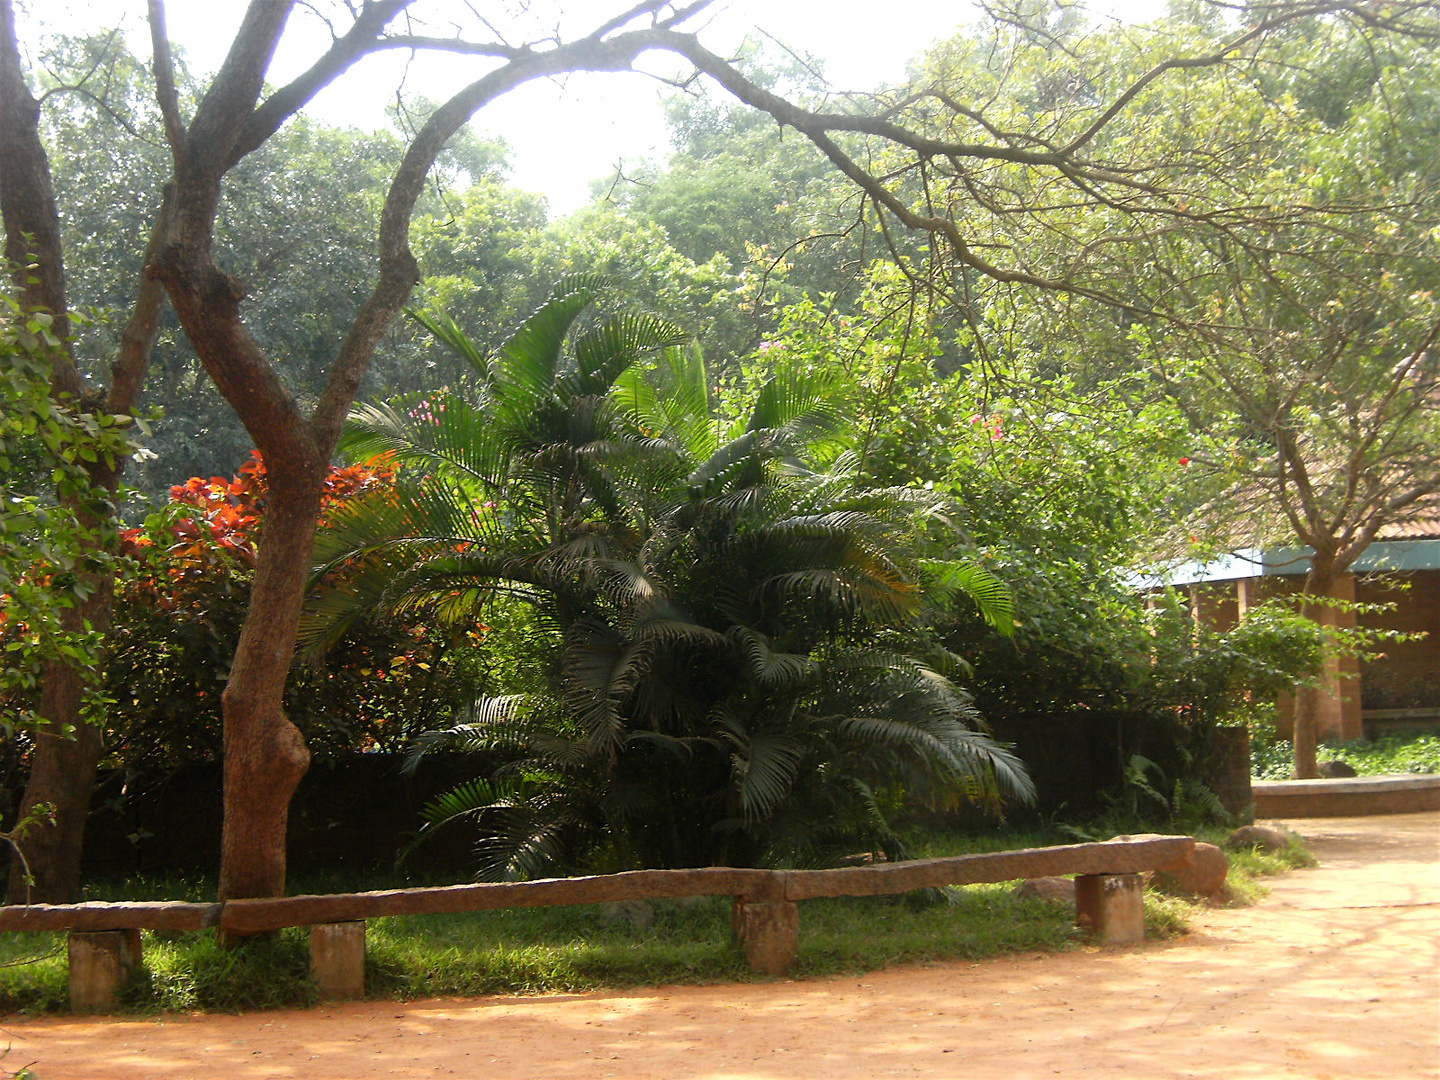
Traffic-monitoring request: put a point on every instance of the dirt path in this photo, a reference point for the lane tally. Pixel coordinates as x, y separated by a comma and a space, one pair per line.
1335, 975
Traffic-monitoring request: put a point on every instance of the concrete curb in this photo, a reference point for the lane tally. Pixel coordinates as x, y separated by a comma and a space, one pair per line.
1346, 797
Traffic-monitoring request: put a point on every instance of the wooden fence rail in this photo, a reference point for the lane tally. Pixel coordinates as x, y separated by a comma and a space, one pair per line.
105, 944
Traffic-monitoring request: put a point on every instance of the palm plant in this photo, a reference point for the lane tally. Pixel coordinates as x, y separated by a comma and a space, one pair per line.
741, 671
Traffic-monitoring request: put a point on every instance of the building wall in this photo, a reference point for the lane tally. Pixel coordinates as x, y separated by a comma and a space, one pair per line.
1407, 676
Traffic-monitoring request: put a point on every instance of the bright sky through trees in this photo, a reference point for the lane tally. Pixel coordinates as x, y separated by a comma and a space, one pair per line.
567, 135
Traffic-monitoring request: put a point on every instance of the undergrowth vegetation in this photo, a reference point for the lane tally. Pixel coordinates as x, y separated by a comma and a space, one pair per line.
1389, 754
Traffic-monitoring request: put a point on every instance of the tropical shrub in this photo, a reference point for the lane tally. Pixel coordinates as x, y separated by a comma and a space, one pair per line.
178, 618
738, 668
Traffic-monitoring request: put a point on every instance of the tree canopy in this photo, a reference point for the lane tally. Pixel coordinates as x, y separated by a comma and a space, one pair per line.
1036, 173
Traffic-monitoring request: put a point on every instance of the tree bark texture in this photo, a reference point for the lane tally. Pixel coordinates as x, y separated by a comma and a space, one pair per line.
1304, 744
62, 776
66, 756
265, 754
27, 200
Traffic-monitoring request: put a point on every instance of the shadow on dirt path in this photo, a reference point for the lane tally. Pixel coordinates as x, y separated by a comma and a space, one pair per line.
1335, 975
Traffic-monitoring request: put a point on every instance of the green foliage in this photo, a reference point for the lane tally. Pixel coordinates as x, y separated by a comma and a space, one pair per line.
195, 972
177, 620
739, 668
749, 196
1400, 752
54, 522
1060, 488
34, 973
491, 258
1291, 338
1387, 755
1056, 481
295, 226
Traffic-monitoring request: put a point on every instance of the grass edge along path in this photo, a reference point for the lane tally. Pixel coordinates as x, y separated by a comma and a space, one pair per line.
549, 950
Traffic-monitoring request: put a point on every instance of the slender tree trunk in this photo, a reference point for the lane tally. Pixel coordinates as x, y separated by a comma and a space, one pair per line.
1304, 743
62, 777
1304, 736
265, 754
62, 771
63, 764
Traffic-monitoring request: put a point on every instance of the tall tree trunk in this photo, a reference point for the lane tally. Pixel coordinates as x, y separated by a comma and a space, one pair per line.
1304, 736
62, 777
62, 768
265, 754
1304, 745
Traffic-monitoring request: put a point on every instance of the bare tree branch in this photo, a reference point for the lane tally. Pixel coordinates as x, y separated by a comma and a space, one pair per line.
166, 95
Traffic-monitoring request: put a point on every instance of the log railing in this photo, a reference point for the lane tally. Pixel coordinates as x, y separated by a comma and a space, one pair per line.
105, 937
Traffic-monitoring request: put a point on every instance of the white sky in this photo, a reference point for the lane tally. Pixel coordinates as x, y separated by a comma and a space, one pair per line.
566, 135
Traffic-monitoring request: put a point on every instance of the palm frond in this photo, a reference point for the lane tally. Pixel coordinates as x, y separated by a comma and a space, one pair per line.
771, 669
948, 581
765, 766
503, 722
605, 350
800, 403
680, 410
447, 331
525, 368
874, 595
427, 434
601, 667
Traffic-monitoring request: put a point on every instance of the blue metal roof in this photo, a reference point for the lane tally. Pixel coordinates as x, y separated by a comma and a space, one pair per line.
1388, 555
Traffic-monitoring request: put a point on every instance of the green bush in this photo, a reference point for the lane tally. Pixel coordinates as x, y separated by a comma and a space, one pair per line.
740, 672
1390, 754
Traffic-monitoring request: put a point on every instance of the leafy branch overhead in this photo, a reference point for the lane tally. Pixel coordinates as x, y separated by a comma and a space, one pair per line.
1109, 164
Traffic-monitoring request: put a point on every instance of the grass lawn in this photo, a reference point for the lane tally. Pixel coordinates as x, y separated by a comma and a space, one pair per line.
541, 950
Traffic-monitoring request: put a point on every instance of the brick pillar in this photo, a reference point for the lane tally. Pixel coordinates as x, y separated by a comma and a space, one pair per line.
1337, 715
769, 933
1111, 906
100, 964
